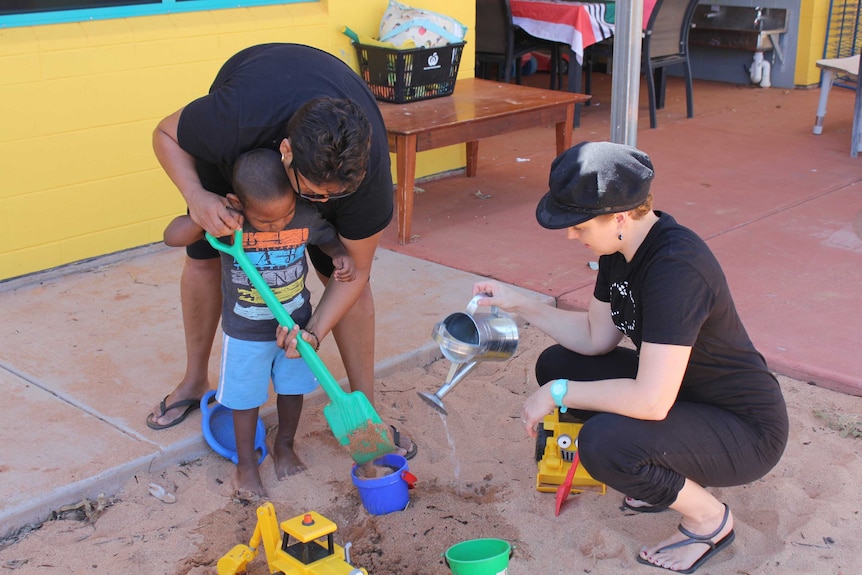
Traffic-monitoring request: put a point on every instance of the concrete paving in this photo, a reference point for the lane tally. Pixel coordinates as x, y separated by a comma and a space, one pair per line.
86, 351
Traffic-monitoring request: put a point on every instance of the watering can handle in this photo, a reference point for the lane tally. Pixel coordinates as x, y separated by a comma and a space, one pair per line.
473, 306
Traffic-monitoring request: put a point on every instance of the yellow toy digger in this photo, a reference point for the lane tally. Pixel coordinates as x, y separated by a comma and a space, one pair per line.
556, 446
306, 556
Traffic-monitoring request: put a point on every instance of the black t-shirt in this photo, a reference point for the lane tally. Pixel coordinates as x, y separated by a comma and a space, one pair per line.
674, 292
249, 104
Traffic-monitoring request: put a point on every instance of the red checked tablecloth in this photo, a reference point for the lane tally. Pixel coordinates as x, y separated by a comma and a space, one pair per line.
577, 24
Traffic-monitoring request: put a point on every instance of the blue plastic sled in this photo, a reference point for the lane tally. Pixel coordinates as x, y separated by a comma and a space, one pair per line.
217, 425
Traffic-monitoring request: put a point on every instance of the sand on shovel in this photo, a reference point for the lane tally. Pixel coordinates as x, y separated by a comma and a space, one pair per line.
369, 442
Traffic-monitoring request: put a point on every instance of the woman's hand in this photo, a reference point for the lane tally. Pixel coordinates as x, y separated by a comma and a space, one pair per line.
208, 210
496, 294
214, 214
536, 408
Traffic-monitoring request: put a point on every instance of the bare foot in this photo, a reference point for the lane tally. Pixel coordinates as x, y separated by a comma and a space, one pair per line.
247, 483
245, 496
684, 549
287, 462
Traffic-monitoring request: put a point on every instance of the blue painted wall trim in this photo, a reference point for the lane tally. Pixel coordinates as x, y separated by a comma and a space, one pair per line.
159, 7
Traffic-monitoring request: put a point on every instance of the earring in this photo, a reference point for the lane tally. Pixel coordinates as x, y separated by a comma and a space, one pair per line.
282, 157
620, 237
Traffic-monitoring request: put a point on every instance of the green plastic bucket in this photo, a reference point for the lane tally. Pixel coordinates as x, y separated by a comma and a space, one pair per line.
479, 557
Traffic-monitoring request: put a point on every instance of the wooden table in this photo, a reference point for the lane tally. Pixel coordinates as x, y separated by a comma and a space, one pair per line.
477, 109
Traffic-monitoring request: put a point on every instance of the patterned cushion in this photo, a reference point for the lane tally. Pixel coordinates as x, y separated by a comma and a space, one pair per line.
426, 29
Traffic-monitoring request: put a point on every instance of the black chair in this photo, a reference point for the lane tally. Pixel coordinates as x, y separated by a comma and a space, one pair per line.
499, 42
665, 43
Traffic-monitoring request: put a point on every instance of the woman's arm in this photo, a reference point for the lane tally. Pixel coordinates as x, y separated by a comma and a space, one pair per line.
208, 210
589, 333
338, 297
649, 396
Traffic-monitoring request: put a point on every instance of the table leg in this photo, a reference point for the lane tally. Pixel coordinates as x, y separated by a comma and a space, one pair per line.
405, 163
856, 134
825, 86
472, 158
564, 130
576, 70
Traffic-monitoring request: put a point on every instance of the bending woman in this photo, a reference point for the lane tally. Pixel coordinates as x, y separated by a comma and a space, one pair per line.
694, 405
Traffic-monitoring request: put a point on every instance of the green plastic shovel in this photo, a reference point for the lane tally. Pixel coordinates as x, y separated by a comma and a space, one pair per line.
352, 418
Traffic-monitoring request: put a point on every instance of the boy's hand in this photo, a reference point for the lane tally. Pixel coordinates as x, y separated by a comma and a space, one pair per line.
286, 339
345, 271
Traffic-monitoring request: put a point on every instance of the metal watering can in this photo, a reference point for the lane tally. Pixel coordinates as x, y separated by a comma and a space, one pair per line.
469, 338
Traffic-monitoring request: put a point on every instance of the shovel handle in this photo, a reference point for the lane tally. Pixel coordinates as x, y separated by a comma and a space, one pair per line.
318, 368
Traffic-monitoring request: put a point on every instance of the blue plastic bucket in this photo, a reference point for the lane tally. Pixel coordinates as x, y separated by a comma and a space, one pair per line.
479, 557
382, 495
217, 427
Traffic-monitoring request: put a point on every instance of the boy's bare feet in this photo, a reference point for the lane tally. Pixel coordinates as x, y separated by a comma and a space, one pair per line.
247, 482
287, 462
686, 550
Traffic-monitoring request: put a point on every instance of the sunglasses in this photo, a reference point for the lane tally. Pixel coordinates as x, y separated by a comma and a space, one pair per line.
312, 195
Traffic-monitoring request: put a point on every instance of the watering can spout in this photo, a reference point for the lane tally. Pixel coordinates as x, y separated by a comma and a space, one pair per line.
468, 338
434, 401
457, 372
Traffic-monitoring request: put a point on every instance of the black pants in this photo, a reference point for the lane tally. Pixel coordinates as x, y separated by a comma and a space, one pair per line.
650, 460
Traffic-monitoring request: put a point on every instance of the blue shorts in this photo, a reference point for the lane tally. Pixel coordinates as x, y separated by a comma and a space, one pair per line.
247, 368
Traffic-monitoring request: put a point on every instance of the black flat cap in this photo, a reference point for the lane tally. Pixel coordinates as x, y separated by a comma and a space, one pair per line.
591, 179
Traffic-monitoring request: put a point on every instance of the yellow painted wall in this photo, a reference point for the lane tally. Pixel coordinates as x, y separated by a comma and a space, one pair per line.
78, 177
813, 20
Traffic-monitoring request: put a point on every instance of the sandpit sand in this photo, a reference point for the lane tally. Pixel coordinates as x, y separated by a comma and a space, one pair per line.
476, 475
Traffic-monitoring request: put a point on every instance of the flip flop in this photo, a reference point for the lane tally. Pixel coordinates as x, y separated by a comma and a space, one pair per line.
694, 538
396, 439
192, 404
642, 508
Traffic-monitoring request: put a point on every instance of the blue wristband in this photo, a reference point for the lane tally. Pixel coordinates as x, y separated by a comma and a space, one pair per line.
559, 388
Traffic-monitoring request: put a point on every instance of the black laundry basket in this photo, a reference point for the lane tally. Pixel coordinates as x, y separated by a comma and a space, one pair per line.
401, 76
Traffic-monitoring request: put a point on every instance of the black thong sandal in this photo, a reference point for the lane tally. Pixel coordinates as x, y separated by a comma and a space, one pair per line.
396, 439
192, 404
695, 538
642, 508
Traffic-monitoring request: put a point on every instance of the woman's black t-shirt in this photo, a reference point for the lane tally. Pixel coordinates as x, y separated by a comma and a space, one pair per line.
249, 104
674, 292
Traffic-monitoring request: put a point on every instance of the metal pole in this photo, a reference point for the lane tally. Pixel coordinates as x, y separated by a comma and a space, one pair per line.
856, 136
625, 85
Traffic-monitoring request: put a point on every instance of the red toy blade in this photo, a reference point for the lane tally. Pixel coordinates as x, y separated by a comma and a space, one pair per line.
566, 487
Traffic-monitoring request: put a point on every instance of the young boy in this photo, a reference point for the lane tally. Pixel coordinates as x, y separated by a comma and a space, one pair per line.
277, 225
